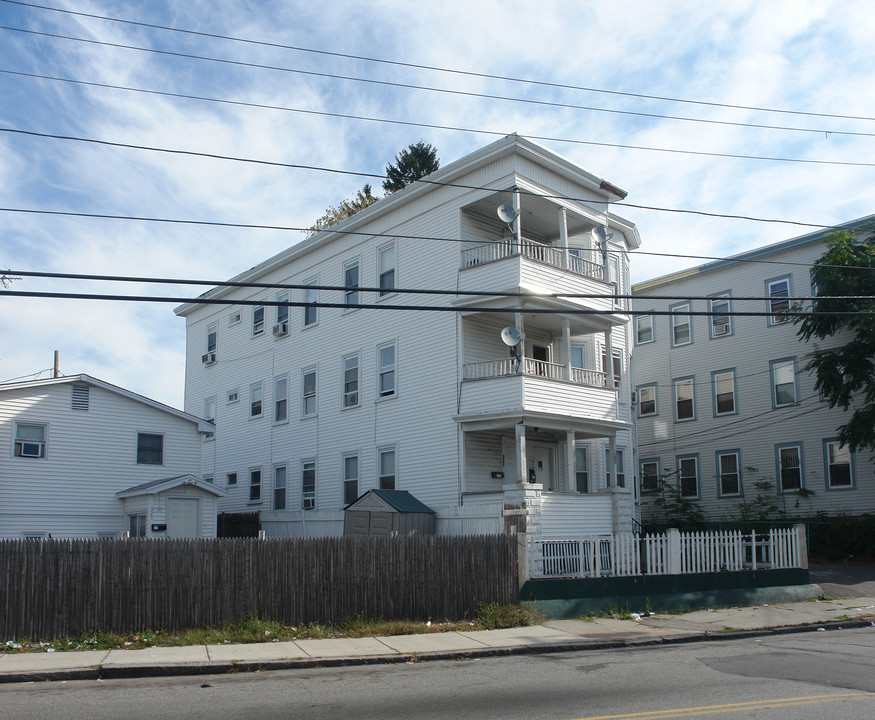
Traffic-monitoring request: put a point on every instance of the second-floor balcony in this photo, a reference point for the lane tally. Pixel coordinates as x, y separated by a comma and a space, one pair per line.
536, 368
563, 258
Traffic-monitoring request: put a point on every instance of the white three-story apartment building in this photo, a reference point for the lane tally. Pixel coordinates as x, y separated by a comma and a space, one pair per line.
337, 392
723, 401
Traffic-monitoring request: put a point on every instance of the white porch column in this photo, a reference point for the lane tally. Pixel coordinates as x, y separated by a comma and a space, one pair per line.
609, 360
570, 462
521, 348
566, 343
563, 235
517, 224
522, 465
612, 461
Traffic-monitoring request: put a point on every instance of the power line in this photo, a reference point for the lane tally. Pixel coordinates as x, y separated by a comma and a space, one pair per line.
446, 91
434, 68
413, 291
201, 300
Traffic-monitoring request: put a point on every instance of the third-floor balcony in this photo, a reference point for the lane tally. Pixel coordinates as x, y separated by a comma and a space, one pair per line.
563, 258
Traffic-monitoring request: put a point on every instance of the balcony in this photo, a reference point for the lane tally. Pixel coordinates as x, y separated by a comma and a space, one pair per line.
536, 368
555, 257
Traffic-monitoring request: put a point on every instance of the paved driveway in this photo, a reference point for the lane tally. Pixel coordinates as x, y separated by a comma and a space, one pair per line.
843, 581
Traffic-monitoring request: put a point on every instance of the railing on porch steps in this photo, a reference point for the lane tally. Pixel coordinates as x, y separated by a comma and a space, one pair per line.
669, 553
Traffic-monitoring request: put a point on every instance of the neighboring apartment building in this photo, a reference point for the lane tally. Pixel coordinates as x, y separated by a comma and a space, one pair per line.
84, 458
321, 394
723, 401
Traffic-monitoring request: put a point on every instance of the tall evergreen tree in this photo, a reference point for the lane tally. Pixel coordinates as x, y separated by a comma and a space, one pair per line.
845, 375
411, 164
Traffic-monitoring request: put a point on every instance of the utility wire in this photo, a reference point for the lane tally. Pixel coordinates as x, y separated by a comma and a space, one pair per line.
446, 91
434, 68
202, 300
401, 291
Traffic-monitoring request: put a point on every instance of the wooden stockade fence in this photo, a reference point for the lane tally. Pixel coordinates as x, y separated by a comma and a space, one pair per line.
55, 588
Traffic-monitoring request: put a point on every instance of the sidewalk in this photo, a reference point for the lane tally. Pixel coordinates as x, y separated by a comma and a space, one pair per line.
552, 636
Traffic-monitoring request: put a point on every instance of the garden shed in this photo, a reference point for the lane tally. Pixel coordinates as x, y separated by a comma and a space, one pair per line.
387, 512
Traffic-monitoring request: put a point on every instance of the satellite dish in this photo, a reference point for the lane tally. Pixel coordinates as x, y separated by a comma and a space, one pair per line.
511, 336
599, 234
506, 213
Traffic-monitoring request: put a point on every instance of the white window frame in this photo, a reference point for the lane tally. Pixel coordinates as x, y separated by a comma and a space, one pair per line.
829, 463
280, 399
279, 497
163, 448
135, 524
782, 365
310, 298
686, 381
232, 396
681, 461
210, 414
719, 377
780, 468
231, 479
644, 323
256, 400
642, 389
351, 380
256, 482
350, 478
382, 477
307, 396
351, 290
581, 475
257, 320
384, 371
724, 318
235, 318
619, 466
678, 312
655, 475
718, 461
383, 271
19, 443
308, 488
212, 337
282, 309
778, 301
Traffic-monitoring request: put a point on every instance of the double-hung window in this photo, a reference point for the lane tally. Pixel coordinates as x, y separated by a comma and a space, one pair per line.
212, 330
351, 381
351, 283
350, 478
210, 414
723, 383
386, 463
258, 320
282, 310
386, 370
615, 279
646, 400
789, 459
279, 487
729, 473
150, 449
308, 484
255, 485
311, 297
256, 400
581, 469
839, 466
778, 292
643, 329
783, 382
308, 392
618, 466
649, 475
681, 324
721, 322
386, 269
684, 400
616, 366
688, 476
30, 440
281, 399
136, 526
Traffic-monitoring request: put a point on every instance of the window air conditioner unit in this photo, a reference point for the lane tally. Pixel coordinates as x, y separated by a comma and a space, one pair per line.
281, 329
208, 358
722, 329
309, 503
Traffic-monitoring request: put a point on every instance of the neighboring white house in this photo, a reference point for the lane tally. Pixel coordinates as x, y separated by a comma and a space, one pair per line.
80, 457
723, 401
315, 404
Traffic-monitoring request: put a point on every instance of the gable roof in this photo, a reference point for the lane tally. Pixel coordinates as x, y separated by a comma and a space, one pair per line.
400, 500
82, 379
508, 145
156, 486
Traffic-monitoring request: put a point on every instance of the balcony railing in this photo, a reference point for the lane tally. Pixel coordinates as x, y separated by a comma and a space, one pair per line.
560, 258
532, 367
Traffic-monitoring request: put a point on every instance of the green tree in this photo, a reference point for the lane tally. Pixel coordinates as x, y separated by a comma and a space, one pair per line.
333, 215
845, 375
411, 164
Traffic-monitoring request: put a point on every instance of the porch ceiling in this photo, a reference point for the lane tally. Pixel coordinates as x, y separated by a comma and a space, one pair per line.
583, 428
539, 216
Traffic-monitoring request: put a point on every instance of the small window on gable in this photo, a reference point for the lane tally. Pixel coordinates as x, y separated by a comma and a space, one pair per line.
233, 396
234, 318
30, 440
80, 397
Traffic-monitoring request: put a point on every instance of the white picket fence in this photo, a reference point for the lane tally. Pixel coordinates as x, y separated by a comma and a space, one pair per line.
669, 553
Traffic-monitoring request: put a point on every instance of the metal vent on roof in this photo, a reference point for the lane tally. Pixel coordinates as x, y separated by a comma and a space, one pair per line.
80, 397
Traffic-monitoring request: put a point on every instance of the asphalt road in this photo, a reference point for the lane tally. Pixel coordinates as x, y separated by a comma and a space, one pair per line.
812, 675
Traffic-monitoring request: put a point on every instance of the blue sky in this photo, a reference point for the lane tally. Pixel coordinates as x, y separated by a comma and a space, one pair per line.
803, 55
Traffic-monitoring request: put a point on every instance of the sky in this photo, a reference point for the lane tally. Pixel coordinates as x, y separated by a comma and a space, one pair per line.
804, 56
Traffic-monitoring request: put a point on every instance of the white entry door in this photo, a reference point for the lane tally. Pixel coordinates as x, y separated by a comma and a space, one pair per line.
182, 517
540, 458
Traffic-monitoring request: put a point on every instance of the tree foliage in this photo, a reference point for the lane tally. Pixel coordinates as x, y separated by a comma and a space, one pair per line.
411, 164
845, 375
333, 215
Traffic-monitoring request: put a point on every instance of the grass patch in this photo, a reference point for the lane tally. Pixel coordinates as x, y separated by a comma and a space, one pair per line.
489, 617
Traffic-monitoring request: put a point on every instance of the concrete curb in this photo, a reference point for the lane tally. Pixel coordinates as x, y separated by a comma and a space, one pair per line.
100, 672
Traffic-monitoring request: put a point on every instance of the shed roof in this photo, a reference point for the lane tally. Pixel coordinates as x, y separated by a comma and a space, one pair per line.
154, 487
399, 500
